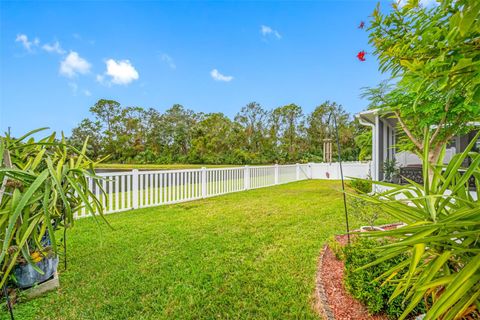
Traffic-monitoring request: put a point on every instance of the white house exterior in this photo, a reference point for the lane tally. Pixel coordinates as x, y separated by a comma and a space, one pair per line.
384, 140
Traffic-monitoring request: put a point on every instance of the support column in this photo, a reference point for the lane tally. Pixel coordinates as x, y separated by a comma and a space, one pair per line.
135, 188
246, 178
276, 173
204, 182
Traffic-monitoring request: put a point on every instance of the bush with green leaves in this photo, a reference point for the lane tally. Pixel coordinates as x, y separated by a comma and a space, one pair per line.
44, 184
366, 212
364, 284
441, 237
361, 185
390, 170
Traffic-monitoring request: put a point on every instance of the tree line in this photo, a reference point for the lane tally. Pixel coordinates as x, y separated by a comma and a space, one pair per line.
255, 136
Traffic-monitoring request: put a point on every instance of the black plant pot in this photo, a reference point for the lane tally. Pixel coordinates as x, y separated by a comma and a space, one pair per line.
26, 276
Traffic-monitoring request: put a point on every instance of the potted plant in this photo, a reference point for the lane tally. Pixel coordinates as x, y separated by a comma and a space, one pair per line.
390, 171
44, 185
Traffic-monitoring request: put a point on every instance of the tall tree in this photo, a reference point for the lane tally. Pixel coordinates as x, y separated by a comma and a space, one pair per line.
289, 120
320, 126
133, 134
253, 119
216, 140
129, 132
108, 112
178, 123
433, 54
154, 133
91, 130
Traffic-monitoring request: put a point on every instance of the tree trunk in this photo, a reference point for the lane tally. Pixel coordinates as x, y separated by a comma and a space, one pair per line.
433, 157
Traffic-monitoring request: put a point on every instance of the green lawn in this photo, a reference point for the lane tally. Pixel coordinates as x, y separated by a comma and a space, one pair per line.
240, 256
121, 166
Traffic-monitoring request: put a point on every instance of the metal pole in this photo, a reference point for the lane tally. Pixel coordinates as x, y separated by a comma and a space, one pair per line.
64, 242
341, 175
9, 304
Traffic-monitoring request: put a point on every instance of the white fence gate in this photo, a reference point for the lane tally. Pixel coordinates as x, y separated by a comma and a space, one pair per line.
139, 189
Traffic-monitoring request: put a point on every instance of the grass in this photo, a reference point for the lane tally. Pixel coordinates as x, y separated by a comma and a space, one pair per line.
121, 166
245, 255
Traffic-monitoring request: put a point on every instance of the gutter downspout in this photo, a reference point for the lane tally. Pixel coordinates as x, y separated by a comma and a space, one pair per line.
374, 145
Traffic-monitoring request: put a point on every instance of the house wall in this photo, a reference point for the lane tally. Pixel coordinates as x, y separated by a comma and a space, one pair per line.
384, 148
406, 158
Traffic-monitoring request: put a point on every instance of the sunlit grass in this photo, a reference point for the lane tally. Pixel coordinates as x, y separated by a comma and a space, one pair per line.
244, 255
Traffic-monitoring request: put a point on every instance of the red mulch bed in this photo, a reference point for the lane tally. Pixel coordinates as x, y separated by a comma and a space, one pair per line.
332, 300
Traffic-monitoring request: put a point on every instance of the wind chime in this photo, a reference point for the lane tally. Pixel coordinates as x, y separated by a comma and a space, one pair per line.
327, 150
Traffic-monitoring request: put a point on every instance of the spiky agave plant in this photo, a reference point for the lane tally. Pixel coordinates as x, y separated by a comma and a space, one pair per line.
442, 237
44, 184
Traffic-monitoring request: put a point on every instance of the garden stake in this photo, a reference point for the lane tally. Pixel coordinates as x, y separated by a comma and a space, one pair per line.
64, 244
9, 306
341, 172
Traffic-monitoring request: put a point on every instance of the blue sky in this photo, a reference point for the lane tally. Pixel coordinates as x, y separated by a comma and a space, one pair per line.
58, 59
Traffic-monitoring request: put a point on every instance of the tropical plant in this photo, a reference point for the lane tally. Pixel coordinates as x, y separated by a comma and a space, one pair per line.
432, 55
441, 237
44, 185
364, 285
390, 170
364, 142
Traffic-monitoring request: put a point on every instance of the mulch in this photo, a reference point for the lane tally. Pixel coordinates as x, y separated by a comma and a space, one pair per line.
332, 301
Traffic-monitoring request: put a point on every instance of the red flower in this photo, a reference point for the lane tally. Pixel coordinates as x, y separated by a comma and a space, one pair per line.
362, 25
361, 55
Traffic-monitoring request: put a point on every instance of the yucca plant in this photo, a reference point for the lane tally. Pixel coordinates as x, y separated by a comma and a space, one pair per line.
441, 237
44, 184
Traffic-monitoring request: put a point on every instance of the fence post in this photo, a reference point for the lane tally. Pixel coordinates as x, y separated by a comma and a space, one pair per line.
246, 178
204, 182
297, 167
276, 173
310, 170
135, 188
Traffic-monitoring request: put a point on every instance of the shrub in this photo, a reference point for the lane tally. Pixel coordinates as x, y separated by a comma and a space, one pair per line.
441, 237
364, 285
336, 247
361, 185
390, 170
366, 212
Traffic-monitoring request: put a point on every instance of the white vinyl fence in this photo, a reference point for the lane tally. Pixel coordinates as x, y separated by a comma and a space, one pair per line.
139, 189
351, 169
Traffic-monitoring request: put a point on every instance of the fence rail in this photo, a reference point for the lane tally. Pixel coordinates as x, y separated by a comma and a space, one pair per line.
140, 189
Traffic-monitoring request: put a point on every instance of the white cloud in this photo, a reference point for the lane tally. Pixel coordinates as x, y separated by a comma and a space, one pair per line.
268, 31
121, 72
216, 75
423, 3
168, 60
87, 93
100, 79
27, 44
54, 47
74, 87
73, 64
